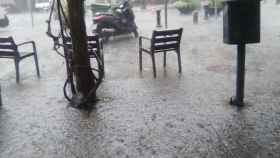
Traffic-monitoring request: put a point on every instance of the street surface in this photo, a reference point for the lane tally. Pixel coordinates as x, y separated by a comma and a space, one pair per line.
173, 116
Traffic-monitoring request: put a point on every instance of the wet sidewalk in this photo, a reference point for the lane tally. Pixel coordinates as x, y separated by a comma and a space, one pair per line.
173, 116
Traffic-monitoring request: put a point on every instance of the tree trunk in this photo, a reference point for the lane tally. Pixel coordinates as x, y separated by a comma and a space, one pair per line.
83, 75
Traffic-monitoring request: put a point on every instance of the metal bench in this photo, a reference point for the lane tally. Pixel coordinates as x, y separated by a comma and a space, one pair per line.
94, 45
9, 49
162, 41
95, 50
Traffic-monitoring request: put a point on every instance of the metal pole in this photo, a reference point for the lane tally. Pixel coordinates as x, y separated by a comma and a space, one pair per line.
165, 13
216, 9
158, 18
31, 12
195, 17
1, 103
241, 53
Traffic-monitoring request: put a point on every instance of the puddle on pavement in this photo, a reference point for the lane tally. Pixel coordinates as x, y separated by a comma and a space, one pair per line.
105, 99
221, 68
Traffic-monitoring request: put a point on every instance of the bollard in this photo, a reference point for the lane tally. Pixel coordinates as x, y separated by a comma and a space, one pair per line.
206, 12
158, 18
0, 97
195, 17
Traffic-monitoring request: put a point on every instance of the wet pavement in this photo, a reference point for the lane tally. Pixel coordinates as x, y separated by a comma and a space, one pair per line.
173, 116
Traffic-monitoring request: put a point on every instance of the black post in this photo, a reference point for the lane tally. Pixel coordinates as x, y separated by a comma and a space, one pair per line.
241, 53
195, 17
165, 14
158, 18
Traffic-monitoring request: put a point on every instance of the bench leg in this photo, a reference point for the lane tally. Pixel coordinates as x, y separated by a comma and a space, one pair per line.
164, 59
179, 61
17, 69
154, 64
140, 59
37, 65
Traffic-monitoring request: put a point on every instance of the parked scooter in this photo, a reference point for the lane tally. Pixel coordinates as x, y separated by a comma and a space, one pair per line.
120, 21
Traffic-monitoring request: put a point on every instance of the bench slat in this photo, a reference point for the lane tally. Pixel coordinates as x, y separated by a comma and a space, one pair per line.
166, 46
166, 39
6, 40
167, 32
89, 38
7, 53
93, 43
92, 38
6, 46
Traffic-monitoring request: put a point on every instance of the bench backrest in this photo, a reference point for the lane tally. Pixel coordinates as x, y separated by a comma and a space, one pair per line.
166, 40
93, 44
8, 48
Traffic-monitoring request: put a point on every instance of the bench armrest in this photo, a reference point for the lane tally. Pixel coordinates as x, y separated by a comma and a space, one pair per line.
141, 41
29, 42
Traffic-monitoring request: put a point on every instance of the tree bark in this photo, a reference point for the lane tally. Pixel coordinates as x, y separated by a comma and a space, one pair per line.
83, 75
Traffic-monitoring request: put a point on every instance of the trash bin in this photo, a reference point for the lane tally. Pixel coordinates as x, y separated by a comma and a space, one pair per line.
241, 26
241, 21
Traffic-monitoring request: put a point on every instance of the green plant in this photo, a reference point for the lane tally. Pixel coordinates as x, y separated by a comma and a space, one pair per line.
219, 3
187, 4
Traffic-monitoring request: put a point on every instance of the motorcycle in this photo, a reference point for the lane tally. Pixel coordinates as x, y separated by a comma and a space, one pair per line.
121, 20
